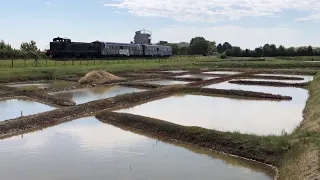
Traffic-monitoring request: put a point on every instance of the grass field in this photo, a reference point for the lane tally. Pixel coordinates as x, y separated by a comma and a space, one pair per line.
49, 69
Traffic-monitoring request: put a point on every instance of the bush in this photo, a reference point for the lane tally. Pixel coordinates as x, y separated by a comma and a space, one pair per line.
223, 56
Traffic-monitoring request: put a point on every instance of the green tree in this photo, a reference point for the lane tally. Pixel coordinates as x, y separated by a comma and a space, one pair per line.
31, 46
198, 45
183, 50
226, 46
4, 46
310, 51
212, 48
274, 50
220, 48
258, 51
266, 50
291, 51
282, 51
175, 48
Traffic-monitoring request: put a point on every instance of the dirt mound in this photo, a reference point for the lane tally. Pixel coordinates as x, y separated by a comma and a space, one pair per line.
99, 77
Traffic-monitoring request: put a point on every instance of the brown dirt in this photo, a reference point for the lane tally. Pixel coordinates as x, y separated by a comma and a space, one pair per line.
269, 83
99, 77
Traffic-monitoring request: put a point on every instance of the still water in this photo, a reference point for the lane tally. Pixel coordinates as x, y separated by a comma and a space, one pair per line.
175, 71
165, 82
12, 108
305, 77
196, 76
222, 72
47, 84
85, 95
88, 149
225, 114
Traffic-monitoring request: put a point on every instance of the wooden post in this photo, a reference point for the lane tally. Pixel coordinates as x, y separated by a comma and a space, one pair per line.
12, 63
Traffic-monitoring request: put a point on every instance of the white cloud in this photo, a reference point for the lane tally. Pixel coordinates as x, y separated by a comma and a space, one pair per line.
239, 36
213, 10
311, 17
48, 3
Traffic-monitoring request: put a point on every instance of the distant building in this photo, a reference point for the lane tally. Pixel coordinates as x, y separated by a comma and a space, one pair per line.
142, 37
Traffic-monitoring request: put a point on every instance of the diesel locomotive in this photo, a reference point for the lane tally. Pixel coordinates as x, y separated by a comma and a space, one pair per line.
141, 47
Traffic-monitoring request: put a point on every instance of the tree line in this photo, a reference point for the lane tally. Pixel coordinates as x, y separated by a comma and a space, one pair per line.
201, 46
28, 50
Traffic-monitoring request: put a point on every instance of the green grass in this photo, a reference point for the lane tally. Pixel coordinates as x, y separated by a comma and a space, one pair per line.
79, 68
303, 160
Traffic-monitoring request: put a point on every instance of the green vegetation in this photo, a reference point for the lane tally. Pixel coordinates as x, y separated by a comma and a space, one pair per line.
49, 69
303, 160
266, 149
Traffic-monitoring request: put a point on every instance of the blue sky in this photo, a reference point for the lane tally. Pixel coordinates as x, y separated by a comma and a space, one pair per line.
244, 23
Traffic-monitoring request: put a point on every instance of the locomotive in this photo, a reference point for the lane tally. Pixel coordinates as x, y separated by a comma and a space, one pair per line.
141, 47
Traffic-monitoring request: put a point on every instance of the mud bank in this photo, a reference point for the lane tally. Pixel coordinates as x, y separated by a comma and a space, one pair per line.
269, 83
249, 146
276, 77
57, 116
140, 85
184, 79
219, 80
235, 93
38, 96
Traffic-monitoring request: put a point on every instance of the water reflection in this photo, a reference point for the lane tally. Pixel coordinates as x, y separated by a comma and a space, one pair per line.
47, 84
225, 114
88, 149
90, 94
13, 108
222, 72
175, 71
196, 76
305, 77
166, 82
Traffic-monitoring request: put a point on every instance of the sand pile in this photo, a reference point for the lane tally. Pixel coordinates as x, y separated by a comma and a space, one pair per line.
99, 77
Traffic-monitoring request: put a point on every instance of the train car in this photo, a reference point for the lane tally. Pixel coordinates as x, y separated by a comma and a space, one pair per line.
157, 50
65, 48
121, 49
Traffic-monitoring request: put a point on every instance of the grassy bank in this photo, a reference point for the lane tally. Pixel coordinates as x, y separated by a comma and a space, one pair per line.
303, 160
265, 149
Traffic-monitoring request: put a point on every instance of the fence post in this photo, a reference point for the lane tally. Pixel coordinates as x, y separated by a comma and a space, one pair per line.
12, 63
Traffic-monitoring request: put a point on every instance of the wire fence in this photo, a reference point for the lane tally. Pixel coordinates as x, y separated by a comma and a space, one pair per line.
21, 63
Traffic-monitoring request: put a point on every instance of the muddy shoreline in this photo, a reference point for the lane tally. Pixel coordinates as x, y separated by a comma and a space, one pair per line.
209, 139
269, 83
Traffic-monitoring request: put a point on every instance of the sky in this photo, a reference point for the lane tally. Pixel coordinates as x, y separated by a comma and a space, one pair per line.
244, 23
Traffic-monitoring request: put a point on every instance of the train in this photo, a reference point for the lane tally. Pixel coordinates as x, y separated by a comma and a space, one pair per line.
141, 47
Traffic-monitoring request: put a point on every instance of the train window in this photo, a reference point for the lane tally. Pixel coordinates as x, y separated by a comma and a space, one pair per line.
121, 47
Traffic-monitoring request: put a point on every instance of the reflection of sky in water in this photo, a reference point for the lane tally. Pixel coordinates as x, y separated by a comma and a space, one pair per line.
11, 108
299, 95
306, 78
29, 85
90, 94
175, 71
87, 149
221, 72
196, 76
165, 82
225, 114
